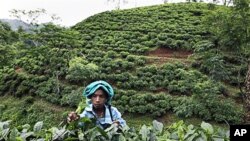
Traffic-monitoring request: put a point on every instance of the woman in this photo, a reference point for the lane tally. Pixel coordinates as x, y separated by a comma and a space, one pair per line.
98, 97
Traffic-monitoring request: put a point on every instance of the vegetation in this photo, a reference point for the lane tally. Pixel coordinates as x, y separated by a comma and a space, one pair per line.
56, 63
89, 132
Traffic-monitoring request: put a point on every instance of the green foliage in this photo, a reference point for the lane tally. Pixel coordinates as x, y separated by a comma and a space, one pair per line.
180, 131
230, 28
145, 29
30, 110
58, 37
89, 132
222, 67
209, 105
81, 70
56, 63
185, 107
73, 98
8, 55
233, 25
156, 105
7, 36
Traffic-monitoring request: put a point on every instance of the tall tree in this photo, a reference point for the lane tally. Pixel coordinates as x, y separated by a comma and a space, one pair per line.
248, 86
231, 27
227, 2
7, 46
118, 3
33, 17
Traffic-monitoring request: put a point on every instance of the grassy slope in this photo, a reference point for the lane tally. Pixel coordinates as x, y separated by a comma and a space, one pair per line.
30, 110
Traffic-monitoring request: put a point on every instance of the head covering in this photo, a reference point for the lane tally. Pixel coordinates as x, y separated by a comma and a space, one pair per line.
92, 87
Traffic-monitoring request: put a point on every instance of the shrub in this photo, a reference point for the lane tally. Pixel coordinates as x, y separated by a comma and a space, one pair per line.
90, 132
185, 107
72, 99
29, 100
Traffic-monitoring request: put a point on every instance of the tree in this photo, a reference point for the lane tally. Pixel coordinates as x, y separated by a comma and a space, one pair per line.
227, 2
32, 16
231, 27
7, 36
248, 86
7, 46
81, 70
118, 3
7, 57
56, 36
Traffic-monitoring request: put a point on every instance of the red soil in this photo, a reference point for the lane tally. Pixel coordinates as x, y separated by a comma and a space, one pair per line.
166, 52
18, 69
162, 55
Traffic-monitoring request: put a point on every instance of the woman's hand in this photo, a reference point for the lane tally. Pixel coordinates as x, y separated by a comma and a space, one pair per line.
72, 116
116, 123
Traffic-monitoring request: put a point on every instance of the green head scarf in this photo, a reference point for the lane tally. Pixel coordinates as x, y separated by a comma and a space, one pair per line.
92, 87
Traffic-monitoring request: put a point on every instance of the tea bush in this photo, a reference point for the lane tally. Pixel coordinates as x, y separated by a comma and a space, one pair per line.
89, 132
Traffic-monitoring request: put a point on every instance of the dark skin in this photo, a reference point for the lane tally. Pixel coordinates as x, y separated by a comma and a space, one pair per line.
98, 100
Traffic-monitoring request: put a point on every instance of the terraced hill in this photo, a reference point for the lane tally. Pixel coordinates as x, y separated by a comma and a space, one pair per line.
148, 54
175, 26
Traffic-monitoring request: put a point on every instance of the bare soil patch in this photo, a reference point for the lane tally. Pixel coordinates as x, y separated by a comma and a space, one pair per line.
18, 70
162, 55
169, 53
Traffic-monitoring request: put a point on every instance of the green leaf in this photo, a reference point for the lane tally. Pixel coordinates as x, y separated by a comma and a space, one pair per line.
93, 135
26, 135
190, 134
144, 132
157, 126
218, 139
80, 136
80, 107
4, 133
18, 139
207, 127
26, 127
190, 127
199, 139
103, 133
192, 137
58, 133
204, 136
41, 139
4, 125
121, 138
38, 126
14, 134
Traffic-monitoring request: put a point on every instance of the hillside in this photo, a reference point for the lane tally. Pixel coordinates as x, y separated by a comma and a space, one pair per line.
151, 55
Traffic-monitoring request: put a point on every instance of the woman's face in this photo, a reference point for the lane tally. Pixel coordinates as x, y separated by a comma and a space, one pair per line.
98, 99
